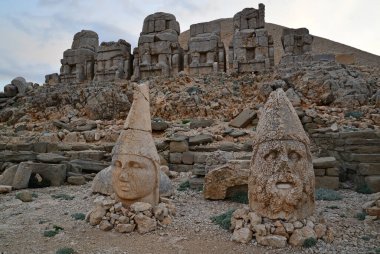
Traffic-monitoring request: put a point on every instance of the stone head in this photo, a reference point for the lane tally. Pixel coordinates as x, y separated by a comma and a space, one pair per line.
281, 182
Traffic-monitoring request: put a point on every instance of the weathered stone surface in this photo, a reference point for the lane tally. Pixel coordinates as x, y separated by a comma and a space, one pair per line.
178, 146
325, 162
158, 51
19, 156
76, 180
196, 183
319, 171
300, 235
105, 225
159, 124
188, 158
102, 182
96, 215
200, 123
332, 172
373, 182
8, 175
200, 139
327, 182
141, 207
276, 241
21, 177
21, 84
10, 90
51, 158
281, 182
89, 165
78, 62
175, 158
369, 169
243, 119
113, 61
5, 189
166, 187
135, 162
55, 173
24, 196
217, 181
125, 228
242, 235
144, 223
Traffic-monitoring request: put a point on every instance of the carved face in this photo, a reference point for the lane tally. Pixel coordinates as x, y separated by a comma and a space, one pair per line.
281, 184
133, 176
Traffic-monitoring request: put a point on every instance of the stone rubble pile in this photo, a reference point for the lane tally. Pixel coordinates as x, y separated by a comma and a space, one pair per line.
247, 225
372, 207
140, 216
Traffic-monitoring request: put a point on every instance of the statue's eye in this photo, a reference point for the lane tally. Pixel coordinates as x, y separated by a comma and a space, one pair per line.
294, 156
134, 164
272, 155
117, 164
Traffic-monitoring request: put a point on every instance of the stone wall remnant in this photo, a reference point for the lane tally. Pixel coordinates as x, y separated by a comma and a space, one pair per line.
281, 183
251, 49
158, 52
206, 53
297, 45
113, 61
78, 62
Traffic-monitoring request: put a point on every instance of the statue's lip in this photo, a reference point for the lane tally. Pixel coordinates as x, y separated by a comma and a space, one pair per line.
284, 185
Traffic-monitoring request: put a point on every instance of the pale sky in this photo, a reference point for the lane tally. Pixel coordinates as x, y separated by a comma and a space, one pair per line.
36, 32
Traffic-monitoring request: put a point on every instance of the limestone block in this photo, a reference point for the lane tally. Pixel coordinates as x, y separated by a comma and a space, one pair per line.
5, 189
21, 177
327, 182
180, 167
276, 241
200, 139
175, 158
188, 158
11, 156
242, 235
373, 182
10, 90
332, 172
88, 165
200, 123
300, 235
319, 171
324, 162
369, 169
218, 180
243, 119
51, 158
144, 223
178, 146
55, 173
76, 180
8, 175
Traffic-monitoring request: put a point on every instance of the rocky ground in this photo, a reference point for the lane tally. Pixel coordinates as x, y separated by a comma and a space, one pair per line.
22, 226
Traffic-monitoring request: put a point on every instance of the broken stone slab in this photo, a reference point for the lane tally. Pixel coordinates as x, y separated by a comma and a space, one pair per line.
219, 180
365, 157
325, 162
89, 165
200, 123
8, 175
5, 189
243, 119
178, 146
367, 169
62, 125
21, 177
55, 173
20, 156
51, 158
200, 139
76, 180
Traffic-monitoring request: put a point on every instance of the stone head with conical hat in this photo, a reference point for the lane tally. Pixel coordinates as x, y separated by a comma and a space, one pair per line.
135, 161
281, 181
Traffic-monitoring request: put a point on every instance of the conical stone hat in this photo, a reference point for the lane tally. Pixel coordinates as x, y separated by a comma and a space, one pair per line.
279, 121
136, 138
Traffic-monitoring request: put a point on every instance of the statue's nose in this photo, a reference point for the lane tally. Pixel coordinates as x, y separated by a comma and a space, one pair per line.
124, 175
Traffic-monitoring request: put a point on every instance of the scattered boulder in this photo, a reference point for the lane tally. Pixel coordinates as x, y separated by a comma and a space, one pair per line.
200, 139
10, 90
76, 180
200, 123
159, 124
243, 119
24, 196
5, 189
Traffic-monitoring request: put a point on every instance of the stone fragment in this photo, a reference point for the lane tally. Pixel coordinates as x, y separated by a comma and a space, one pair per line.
96, 215
24, 196
320, 230
254, 218
8, 175
90, 166
144, 223
166, 187
76, 180
200, 139
105, 225
125, 228
21, 177
325, 162
141, 207
10, 90
5, 189
373, 182
159, 125
242, 235
329, 237
220, 179
51, 158
276, 241
21, 85
327, 182
200, 123
281, 180
55, 173
188, 158
289, 227
243, 119
260, 230
300, 235
178, 146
